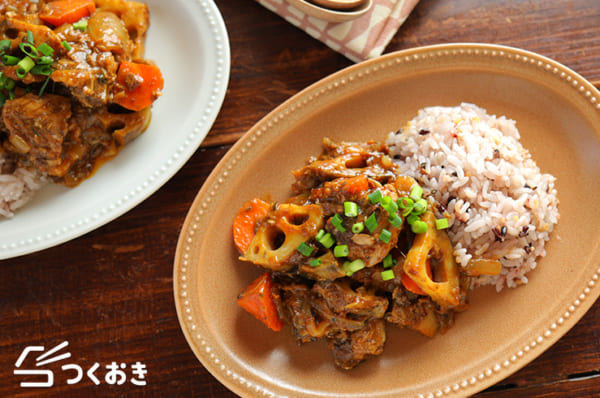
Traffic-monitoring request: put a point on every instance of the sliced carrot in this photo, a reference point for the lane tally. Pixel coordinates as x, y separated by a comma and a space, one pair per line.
245, 221
61, 12
258, 300
356, 185
138, 85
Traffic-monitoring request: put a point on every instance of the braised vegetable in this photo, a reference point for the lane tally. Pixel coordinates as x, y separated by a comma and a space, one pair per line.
141, 85
257, 299
245, 223
66, 11
342, 259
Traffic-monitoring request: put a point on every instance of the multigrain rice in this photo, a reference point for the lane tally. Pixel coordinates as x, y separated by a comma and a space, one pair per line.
17, 186
500, 205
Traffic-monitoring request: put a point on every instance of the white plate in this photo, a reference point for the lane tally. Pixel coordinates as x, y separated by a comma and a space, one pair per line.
188, 40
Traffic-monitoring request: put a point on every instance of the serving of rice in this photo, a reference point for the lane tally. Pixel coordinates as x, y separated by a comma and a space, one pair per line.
499, 204
17, 186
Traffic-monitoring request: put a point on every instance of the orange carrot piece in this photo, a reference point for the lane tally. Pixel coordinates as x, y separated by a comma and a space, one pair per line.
357, 184
61, 12
245, 221
258, 300
141, 85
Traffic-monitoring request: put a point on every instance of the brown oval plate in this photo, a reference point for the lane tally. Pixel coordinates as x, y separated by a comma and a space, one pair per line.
558, 115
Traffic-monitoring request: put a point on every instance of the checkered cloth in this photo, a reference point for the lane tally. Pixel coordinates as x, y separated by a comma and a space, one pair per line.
359, 39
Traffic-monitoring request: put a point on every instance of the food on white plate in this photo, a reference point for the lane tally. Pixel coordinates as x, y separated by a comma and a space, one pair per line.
390, 233
75, 88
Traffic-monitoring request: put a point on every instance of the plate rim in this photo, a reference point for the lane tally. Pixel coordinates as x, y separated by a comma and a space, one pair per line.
200, 126
472, 384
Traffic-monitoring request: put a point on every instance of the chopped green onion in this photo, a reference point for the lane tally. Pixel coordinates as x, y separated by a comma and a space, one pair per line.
9, 60
389, 261
419, 227
385, 236
336, 221
412, 218
305, 249
326, 240
24, 66
30, 50
395, 220
350, 267
45, 60
341, 250
30, 36
45, 49
442, 223
315, 262
371, 223
350, 209
81, 24
5, 45
66, 45
416, 192
375, 196
320, 234
45, 70
420, 206
389, 205
358, 227
387, 275
406, 204
7, 83
2, 99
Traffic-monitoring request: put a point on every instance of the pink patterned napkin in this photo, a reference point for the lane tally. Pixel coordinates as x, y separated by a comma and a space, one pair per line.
360, 39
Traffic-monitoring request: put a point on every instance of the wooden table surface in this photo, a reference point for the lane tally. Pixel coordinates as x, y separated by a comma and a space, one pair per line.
109, 293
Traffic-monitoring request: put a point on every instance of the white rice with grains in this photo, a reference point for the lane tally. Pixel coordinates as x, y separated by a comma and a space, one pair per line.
500, 205
17, 187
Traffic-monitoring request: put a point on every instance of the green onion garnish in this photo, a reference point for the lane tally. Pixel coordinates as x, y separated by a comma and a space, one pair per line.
315, 262
45, 70
24, 66
30, 36
66, 45
416, 192
371, 223
326, 240
442, 223
387, 275
45, 60
81, 24
30, 50
350, 267
358, 227
4, 45
389, 205
385, 236
341, 250
350, 209
419, 227
389, 261
45, 49
375, 196
412, 218
44, 86
336, 221
305, 249
9, 60
420, 207
395, 220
